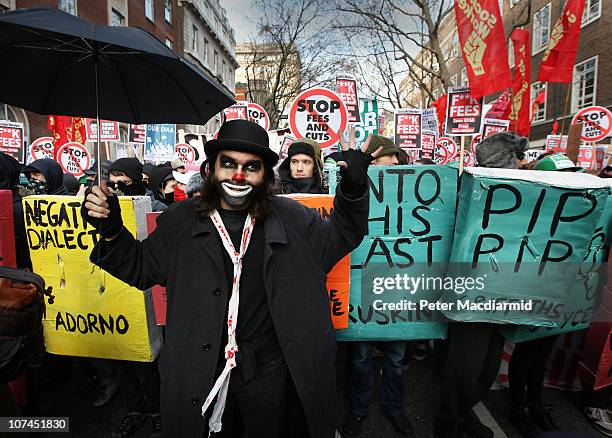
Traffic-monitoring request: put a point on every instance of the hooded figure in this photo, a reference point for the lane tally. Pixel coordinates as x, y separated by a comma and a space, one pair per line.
158, 176
126, 175
9, 178
308, 184
53, 175
71, 184
147, 170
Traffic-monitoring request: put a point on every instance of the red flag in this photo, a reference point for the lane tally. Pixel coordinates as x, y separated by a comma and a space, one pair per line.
555, 127
558, 61
440, 106
483, 44
500, 107
520, 121
65, 129
539, 100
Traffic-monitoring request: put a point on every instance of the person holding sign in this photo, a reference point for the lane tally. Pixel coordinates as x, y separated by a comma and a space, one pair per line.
249, 340
362, 380
302, 170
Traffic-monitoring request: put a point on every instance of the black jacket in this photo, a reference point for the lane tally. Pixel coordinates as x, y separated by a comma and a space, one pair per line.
52, 172
185, 254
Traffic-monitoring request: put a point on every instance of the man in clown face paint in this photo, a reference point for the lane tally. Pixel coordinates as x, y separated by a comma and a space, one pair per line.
249, 343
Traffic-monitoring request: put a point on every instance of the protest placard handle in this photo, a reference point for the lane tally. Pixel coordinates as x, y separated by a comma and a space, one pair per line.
461, 154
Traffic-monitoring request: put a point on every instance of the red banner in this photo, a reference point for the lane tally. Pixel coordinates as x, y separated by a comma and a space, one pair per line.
65, 129
520, 120
440, 106
483, 44
500, 107
558, 62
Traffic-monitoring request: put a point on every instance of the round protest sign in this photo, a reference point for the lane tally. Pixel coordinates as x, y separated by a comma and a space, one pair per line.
475, 142
258, 114
596, 123
318, 114
446, 148
185, 152
74, 158
41, 148
468, 158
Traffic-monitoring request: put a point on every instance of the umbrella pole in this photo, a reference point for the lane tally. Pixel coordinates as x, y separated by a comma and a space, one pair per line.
98, 154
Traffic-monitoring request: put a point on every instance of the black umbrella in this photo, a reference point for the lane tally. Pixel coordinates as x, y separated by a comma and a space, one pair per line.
55, 63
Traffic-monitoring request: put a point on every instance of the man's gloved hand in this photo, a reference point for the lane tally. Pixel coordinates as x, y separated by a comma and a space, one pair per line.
102, 211
354, 165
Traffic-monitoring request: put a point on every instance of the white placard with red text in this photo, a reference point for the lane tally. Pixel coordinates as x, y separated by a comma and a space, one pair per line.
596, 123
463, 112
408, 129
73, 158
109, 130
259, 115
40, 148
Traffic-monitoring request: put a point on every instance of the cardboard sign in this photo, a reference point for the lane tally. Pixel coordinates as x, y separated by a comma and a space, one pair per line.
160, 142
368, 109
237, 111
318, 114
109, 130
185, 153
493, 126
196, 141
41, 148
412, 214
137, 133
428, 144
11, 139
596, 123
259, 115
556, 143
530, 230
74, 158
93, 314
463, 112
601, 157
408, 129
429, 120
347, 90
446, 149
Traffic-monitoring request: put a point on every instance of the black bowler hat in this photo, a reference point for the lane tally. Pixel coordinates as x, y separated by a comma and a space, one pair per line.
243, 136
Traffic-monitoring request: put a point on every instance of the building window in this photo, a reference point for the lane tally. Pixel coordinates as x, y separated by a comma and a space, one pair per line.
216, 62
511, 60
584, 87
217, 25
149, 9
223, 68
194, 39
539, 111
464, 77
116, 18
69, 6
592, 11
168, 11
514, 2
205, 50
541, 29
454, 80
169, 44
454, 52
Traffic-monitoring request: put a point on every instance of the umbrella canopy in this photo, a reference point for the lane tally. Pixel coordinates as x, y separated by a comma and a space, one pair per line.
55, 63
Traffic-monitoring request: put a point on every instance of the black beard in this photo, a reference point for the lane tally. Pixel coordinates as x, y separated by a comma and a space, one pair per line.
237, 203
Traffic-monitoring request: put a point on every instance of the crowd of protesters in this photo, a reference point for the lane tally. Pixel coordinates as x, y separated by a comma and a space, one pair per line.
473, 350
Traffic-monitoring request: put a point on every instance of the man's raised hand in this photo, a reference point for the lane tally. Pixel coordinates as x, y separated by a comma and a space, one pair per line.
101, 210
354, 164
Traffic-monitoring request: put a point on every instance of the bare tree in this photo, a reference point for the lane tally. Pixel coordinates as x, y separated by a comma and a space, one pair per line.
403, 38
290, 53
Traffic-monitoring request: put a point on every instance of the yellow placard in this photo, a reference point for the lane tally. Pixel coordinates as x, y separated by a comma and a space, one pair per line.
93, 314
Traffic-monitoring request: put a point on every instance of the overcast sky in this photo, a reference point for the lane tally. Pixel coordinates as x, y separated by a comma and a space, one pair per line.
242, 16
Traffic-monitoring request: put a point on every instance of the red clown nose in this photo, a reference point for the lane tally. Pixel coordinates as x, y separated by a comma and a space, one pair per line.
238, 177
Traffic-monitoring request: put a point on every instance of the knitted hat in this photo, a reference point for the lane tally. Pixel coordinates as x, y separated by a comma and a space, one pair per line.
130, 166
194, 184
388, 146
316, 147
297, 148
501, 150
557, 162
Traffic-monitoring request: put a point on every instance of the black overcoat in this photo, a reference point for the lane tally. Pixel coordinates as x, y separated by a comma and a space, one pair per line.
185, 254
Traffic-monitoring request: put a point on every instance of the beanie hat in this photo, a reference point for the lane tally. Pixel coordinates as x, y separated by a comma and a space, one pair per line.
557, 162
130, 166
194, 184
297, 148
501, 150
388, 146
316, 147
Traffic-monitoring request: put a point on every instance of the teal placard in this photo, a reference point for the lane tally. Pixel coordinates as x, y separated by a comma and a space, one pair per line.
526, 238
411, 221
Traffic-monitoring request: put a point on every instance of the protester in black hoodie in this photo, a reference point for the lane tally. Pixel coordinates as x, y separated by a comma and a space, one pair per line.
125, 175
301, 171
161, 188
45, 177
71, 184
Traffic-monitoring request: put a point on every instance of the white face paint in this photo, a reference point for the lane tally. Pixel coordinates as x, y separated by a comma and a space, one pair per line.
236, 191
